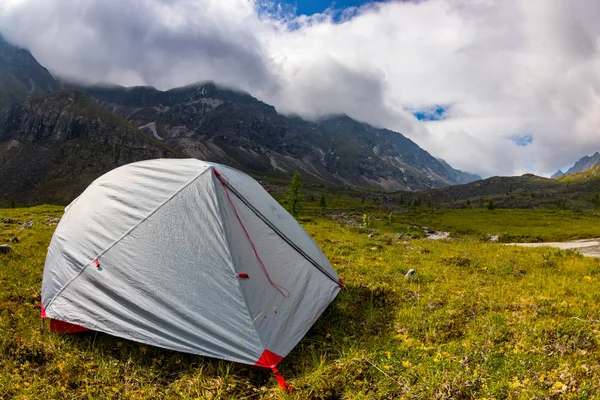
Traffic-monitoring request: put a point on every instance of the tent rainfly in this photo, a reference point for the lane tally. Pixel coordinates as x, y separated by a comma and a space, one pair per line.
190, 256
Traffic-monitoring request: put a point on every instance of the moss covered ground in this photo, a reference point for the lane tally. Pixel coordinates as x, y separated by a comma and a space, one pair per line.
479, 320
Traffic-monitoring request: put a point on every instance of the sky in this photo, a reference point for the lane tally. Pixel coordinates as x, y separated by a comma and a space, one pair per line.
494, 87
310, 7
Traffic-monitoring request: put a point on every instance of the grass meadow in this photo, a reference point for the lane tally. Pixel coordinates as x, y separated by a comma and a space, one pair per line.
479, 320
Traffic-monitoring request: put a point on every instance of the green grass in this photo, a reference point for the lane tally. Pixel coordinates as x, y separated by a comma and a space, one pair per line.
480, 320
513, 225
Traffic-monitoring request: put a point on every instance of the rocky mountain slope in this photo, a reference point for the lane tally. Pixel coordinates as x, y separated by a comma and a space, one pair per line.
21, 76
213, 123
459, 177
53, 146
584, 164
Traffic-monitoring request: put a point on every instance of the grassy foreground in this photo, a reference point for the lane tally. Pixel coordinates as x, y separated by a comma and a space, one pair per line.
480, 320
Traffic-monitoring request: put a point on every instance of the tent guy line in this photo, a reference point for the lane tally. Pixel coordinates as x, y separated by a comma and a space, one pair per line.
284, 292
226, 184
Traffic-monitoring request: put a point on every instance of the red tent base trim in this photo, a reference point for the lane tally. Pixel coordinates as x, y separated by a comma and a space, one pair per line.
268, 359
57, 326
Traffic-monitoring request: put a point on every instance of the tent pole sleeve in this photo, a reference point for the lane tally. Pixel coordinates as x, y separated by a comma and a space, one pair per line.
274, 228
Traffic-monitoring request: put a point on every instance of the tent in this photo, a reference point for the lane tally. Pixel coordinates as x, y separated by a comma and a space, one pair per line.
190, 256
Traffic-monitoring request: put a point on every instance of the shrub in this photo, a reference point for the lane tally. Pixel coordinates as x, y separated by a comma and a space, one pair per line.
323, 202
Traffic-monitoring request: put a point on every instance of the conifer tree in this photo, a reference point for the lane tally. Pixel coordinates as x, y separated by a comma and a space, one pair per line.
293, 197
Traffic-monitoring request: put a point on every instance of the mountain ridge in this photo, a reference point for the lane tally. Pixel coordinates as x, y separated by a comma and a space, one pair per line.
212, 122
48, 134
585, 163
21, 76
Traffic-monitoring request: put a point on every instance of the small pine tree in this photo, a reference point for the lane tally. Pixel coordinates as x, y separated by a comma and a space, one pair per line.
490, 205
12, 203
323, 202
401, 201
468, 202
390, 220
293, 197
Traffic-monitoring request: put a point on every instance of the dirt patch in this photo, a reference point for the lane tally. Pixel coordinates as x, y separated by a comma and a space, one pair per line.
588, 247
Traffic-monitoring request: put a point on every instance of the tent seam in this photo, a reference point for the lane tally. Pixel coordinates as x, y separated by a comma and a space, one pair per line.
239, 285
124, 235
280, 234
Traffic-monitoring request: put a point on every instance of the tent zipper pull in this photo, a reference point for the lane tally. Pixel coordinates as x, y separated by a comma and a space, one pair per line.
281, 380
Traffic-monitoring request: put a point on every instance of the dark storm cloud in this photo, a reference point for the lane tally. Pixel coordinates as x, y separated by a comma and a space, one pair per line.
149, 42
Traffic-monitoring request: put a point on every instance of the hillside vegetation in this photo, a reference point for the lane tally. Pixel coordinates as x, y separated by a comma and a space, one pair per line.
588, 175
571, 192
479, 320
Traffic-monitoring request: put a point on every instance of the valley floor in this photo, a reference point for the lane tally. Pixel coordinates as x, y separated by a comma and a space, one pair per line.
479, 320
590, 248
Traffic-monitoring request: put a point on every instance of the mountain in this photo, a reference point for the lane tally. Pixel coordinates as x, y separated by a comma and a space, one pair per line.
459, 177
213, 123
575, 192
494, 186
53, 146
584, 164
21, 76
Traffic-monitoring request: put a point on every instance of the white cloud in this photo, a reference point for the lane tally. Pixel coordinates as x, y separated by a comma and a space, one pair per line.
506, 68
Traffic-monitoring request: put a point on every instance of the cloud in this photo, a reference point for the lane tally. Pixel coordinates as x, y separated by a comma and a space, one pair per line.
136, 42
495, 69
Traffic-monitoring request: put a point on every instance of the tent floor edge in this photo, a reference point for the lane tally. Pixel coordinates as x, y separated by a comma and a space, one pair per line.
62, 327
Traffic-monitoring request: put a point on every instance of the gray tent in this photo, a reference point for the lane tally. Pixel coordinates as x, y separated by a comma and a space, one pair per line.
190, 256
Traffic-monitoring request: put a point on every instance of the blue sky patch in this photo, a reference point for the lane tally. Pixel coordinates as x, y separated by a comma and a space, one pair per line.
434, 113
310, 7
524, 141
